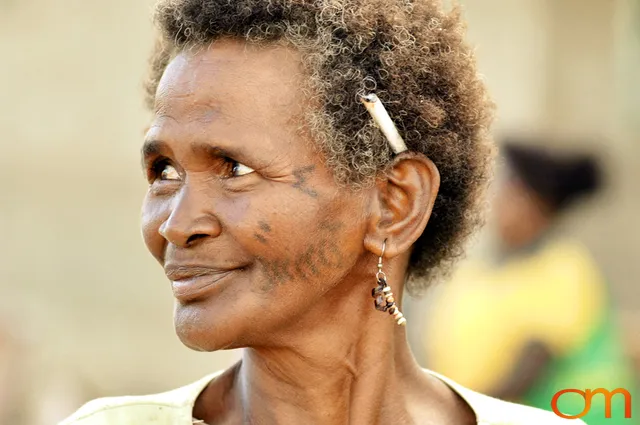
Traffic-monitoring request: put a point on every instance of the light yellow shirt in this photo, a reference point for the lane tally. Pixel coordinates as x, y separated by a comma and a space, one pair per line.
176, 407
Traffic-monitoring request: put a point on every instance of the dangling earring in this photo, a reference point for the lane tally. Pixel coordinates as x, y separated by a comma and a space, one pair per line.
384, 300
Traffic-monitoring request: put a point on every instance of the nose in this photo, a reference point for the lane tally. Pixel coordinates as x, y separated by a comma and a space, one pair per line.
190, 222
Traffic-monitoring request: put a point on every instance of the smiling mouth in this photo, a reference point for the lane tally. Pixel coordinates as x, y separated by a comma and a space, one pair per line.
191, 284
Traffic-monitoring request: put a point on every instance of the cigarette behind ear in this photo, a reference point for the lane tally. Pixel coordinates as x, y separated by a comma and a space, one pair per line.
384, 122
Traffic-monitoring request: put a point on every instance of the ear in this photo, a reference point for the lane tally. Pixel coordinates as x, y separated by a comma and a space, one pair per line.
401, 204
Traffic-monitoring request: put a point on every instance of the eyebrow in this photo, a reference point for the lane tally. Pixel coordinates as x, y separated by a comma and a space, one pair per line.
153, 148
216, 152
150, 149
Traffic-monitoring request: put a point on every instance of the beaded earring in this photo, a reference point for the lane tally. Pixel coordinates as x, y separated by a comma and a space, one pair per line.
383, 297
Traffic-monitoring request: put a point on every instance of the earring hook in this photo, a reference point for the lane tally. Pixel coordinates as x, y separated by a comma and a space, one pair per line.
380, 274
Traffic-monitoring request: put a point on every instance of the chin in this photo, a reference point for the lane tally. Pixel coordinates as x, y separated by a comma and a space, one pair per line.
201, 328
204, 328
232, 319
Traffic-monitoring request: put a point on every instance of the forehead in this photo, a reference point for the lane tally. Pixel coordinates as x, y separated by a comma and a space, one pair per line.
234, 79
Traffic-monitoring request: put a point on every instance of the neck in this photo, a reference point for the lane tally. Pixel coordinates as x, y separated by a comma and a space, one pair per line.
343, 363
330, 376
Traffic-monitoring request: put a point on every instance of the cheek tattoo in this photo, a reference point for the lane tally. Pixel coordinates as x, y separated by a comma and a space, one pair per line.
301, 180
260, 238
322, 254
264, 226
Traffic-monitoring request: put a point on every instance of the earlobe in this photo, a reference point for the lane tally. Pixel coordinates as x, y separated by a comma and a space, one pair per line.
403, 202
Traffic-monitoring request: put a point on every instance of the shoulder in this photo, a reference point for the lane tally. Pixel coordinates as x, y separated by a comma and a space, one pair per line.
491, 411
172, 407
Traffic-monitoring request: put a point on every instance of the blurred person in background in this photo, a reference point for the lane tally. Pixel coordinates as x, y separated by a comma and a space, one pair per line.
541, 320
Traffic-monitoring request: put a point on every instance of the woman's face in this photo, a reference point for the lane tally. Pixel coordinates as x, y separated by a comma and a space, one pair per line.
241, 212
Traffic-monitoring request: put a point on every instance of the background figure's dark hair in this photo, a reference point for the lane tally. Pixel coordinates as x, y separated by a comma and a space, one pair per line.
410, 52
558, 178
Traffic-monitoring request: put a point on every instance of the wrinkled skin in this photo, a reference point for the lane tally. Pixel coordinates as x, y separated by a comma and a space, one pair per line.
265, 251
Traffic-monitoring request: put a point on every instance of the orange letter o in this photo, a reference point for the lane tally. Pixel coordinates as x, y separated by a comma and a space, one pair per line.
556, 397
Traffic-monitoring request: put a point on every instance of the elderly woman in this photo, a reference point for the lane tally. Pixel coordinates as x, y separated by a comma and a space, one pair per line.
283, 195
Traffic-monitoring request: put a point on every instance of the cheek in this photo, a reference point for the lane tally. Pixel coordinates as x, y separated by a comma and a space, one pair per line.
235, 210
154, 213
308, 241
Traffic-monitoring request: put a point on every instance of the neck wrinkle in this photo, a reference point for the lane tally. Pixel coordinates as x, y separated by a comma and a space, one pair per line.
350, 368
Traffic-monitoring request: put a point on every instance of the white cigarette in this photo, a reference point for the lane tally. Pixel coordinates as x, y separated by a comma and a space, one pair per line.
384, 123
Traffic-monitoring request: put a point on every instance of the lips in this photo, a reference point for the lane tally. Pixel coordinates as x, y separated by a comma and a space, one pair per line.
190, 283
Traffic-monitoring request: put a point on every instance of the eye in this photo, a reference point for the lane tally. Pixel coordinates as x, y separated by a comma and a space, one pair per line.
169, 172
164, 171
238, 169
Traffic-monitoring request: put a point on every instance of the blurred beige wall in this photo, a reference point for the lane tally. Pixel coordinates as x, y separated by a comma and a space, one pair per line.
78, 287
